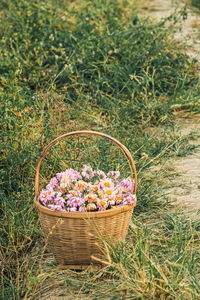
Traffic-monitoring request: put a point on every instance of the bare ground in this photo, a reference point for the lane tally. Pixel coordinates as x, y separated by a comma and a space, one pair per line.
188, 30
184, 190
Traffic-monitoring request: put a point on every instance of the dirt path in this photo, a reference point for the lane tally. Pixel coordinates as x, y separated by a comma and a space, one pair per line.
185, 188
188, 29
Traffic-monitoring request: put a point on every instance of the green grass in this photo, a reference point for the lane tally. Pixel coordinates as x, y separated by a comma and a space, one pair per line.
195, 3
93, 65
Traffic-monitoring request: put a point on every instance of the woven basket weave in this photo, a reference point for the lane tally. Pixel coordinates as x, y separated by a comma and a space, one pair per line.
76, 238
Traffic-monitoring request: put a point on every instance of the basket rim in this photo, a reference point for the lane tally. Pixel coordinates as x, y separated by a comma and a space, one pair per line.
83, 215
124, 150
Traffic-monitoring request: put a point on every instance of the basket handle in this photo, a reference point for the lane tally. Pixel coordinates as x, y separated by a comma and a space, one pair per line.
125, 151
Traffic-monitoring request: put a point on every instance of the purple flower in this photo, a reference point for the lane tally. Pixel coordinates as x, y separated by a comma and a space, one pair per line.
101, 174
70, 196
101, 186
50, 195
70, 173
55, 207
82, 208
60, 175
86, 175
113, 174
93, 173
73, 209
76, 202
59, 201
44, 196
54, 181
53, 185
128, 184
75, 175
87, 172
129, 199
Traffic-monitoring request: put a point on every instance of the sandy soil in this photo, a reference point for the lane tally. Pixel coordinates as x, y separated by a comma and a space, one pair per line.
185, 188
188, 29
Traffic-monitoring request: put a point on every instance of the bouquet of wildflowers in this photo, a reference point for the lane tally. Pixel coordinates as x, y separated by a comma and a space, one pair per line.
88, 190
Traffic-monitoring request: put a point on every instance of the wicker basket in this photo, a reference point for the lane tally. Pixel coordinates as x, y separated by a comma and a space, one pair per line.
76, 238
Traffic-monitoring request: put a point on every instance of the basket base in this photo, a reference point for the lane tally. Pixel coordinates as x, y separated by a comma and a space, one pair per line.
80, 267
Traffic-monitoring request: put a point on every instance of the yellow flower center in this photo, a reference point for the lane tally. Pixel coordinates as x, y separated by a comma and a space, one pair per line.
108, 192
107, 184
102, 203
